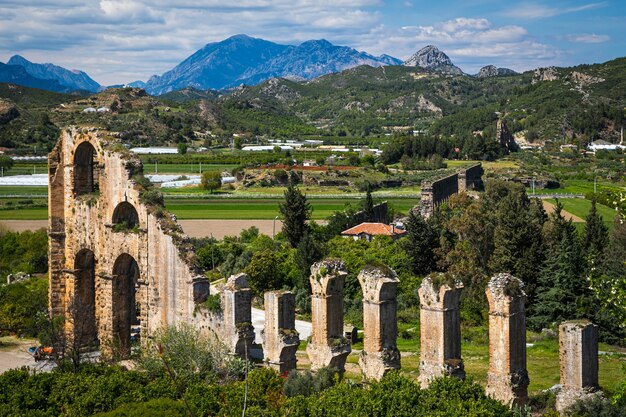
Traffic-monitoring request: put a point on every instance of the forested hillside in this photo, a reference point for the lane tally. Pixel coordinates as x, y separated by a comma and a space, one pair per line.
576, 105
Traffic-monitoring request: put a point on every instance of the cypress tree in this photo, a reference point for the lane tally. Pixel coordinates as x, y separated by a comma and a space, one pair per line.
295, 211
596, 233
368, 206
420, 244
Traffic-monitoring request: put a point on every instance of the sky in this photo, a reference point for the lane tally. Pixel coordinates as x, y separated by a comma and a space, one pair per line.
119, 41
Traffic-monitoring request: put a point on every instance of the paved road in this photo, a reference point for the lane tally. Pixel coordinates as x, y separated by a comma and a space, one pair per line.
258, 321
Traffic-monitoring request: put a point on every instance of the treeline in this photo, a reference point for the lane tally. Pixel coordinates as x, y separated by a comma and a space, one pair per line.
568, 275
423, 147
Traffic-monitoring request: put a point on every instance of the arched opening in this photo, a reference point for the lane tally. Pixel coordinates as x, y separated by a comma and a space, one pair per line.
125, 216
125, 311
83, 308
85, 175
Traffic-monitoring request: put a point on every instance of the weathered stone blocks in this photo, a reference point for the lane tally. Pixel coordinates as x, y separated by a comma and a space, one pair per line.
440, 328
507, 378
380, 328
237, 330
328, 346
280, 337
578, 342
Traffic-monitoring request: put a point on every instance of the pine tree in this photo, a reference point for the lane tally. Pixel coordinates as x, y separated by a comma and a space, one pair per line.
563, 292
309, 251
420, 244
596, 233
368, 206
296, 211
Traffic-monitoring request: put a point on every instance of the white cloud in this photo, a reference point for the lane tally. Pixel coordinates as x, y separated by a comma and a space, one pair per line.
533, 11
588, 38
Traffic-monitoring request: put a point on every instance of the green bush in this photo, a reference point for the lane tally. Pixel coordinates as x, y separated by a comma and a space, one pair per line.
152, 198
154, 408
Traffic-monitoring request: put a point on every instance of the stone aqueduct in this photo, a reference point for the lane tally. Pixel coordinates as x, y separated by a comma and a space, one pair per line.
115, 263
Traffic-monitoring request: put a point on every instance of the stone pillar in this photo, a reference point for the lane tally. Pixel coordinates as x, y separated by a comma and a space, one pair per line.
236, 298
427, 200
328, 346
507, 379
578, 342
380, 327
280, 337
440, 328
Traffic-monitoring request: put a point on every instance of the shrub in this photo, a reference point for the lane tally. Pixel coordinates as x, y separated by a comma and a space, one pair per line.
152, 198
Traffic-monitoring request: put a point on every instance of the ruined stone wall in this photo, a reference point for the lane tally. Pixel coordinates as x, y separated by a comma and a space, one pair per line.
436, 192
90, 174
471, 178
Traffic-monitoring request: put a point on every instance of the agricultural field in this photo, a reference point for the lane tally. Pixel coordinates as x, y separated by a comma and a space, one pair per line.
580, 207
264, 209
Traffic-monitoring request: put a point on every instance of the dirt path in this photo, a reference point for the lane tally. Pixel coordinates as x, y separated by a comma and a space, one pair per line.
193, 228
549, 208
14, 353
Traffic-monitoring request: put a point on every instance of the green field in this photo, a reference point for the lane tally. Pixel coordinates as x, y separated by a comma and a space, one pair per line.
191, 168
580, 207
582, 187
25, 191
260, 209
236, 209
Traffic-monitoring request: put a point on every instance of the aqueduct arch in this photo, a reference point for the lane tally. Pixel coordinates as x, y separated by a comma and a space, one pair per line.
108, 271
125, 214
86, 173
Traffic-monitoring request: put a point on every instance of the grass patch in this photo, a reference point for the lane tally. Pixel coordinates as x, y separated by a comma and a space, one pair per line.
580, 207
24, 214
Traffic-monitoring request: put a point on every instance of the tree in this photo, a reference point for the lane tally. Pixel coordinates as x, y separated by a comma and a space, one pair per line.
562, 287
211, 180
6, 162
368, 206
182, 148
596, 233
420, 244
295, 211
308, 252
264, 273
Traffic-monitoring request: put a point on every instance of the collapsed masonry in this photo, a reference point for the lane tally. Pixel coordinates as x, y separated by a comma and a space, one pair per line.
436, 192
117, 263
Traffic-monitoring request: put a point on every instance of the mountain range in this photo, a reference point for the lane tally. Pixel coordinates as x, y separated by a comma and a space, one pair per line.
232, 62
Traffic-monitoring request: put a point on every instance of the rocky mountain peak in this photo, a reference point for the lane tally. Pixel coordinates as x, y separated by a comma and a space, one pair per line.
432, 58
493, 71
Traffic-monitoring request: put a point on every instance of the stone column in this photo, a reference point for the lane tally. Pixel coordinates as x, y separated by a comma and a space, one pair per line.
280, 337
578, 342
507, 379
440, 328
380, 327
236, 299
427, 200
328, 346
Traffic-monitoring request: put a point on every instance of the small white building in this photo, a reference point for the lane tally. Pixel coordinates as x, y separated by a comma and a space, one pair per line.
602, 145
90, 110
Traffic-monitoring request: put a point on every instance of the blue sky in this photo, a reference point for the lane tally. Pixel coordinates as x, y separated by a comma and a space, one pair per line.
118, 41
